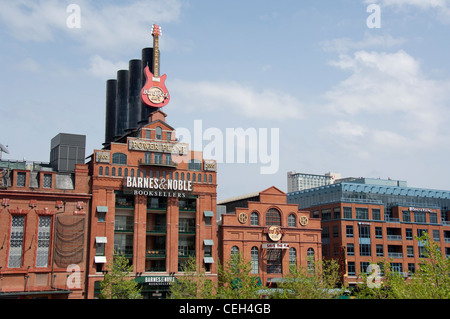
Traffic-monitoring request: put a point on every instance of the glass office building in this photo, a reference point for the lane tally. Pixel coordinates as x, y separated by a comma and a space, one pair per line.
369, 220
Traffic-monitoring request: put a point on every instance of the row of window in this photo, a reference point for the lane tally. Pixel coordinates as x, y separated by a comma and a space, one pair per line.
157, 158
21, 180
16, 241
119, 172
274, 259
362, 213
273, 218
396, 267
392, 233
158, 135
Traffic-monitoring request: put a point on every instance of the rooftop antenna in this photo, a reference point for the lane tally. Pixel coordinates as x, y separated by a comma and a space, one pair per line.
3, 149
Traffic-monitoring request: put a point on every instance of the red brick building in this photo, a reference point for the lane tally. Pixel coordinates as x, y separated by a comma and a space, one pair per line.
270, 233
43, 231
153, 201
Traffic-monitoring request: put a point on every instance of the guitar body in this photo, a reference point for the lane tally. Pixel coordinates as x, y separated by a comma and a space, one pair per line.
154, 93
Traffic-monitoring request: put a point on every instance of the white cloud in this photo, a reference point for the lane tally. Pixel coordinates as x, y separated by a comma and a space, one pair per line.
105, 69
442, 7
344, 45
108, 28
395, 105
209, 96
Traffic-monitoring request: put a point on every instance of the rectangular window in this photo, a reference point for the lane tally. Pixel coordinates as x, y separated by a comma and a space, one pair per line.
362, 213
406, 216
351, 268
349, 231
326, 214
43, 241
347, 212
433, 218
335, 231
376, 215
350, 250
16, 241
419, 217
21, 179
409, 234
364, 231
378, 232
47, 181
364, 250
337, 212
380, 251
410, 251
436, 235
274, 261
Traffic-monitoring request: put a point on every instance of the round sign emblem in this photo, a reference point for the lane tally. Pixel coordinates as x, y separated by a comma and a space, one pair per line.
155, 94
303, 220
274, 233
242, 218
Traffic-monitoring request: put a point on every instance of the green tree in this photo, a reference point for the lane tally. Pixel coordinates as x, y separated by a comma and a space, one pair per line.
117, 283
317, 282
430, 281
236, 280
194, 284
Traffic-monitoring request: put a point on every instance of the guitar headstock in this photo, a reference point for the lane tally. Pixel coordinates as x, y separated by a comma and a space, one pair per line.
156, 30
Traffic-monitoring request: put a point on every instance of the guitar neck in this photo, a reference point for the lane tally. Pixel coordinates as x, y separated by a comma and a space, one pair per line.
156, 56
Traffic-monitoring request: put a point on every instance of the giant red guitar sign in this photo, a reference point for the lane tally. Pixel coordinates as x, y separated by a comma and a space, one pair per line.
154, 93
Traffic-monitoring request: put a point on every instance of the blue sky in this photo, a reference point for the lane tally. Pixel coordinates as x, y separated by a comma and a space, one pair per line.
346, 98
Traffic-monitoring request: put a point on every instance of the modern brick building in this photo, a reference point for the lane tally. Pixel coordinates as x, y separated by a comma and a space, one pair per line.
43, 230
270, 233
153, 201
370, 220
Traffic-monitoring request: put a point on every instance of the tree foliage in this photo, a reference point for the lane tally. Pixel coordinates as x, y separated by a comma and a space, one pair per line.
316, 282
430, 281
194, 284
117, 283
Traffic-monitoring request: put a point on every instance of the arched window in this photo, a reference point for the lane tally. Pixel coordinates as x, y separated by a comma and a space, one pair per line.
291, 220
119, 158
158, 133
100, 170
254, 260
292, 257
119, 171
234, 250
113, 171
273, 217
310, 260
107, 171
194, 179
254, 219
210, 179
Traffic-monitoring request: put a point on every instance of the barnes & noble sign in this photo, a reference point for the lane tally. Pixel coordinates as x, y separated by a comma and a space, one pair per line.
161, 187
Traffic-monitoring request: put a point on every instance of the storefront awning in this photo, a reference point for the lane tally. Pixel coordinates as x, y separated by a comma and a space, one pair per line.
102, 209
101, 240
208, 242
208, 213
100, 259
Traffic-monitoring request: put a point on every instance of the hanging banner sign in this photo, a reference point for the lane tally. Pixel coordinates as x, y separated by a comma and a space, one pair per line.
275, 246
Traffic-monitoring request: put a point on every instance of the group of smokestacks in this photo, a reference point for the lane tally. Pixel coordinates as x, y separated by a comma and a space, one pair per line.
125, 110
